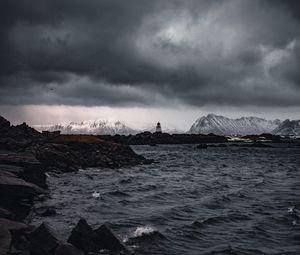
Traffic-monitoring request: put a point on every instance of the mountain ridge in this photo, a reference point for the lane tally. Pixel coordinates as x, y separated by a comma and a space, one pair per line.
221, 125
288, 127
92, 127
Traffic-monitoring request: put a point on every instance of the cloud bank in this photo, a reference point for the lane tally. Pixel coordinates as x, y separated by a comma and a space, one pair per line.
150, 53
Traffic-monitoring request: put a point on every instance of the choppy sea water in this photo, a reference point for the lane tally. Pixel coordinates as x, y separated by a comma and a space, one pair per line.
190, 201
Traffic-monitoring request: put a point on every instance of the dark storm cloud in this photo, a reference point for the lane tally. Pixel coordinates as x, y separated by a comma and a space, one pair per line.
107, 52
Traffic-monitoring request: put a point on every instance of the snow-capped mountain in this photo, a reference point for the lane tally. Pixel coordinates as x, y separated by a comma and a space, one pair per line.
93, 127
221, 125
288, 127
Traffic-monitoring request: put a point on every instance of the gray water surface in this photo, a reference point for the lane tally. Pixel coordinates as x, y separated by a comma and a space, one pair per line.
216, 201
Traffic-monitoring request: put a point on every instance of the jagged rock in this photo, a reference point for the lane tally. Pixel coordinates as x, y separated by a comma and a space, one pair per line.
67, 249
89, 240
84, 238
109, 240
42, 241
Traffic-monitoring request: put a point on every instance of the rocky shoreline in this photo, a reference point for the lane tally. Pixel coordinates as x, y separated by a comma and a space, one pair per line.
25, 158
148, 138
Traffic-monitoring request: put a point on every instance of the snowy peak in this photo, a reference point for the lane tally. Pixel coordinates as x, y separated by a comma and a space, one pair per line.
225, 126
93, 127
288, 128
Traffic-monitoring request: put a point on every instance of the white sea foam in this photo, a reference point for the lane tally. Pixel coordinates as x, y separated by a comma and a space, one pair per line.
144, 230
96, 194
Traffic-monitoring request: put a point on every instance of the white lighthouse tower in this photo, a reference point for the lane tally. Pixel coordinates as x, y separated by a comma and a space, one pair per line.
158, 128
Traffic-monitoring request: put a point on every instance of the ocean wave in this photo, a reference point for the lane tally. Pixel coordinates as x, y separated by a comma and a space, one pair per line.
144, 230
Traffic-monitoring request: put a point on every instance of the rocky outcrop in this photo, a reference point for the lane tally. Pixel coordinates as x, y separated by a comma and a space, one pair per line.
87, 151
64, 152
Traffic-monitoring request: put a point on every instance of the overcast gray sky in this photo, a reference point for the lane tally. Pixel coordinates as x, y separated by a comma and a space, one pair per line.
141, 60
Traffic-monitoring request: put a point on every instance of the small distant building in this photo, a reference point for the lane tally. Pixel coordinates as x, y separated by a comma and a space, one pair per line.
158, 128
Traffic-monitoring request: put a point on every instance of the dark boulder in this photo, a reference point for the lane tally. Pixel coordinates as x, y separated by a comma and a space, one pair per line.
42, 241
67, 249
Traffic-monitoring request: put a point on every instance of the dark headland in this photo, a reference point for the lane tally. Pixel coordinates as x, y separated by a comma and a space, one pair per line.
26, 156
